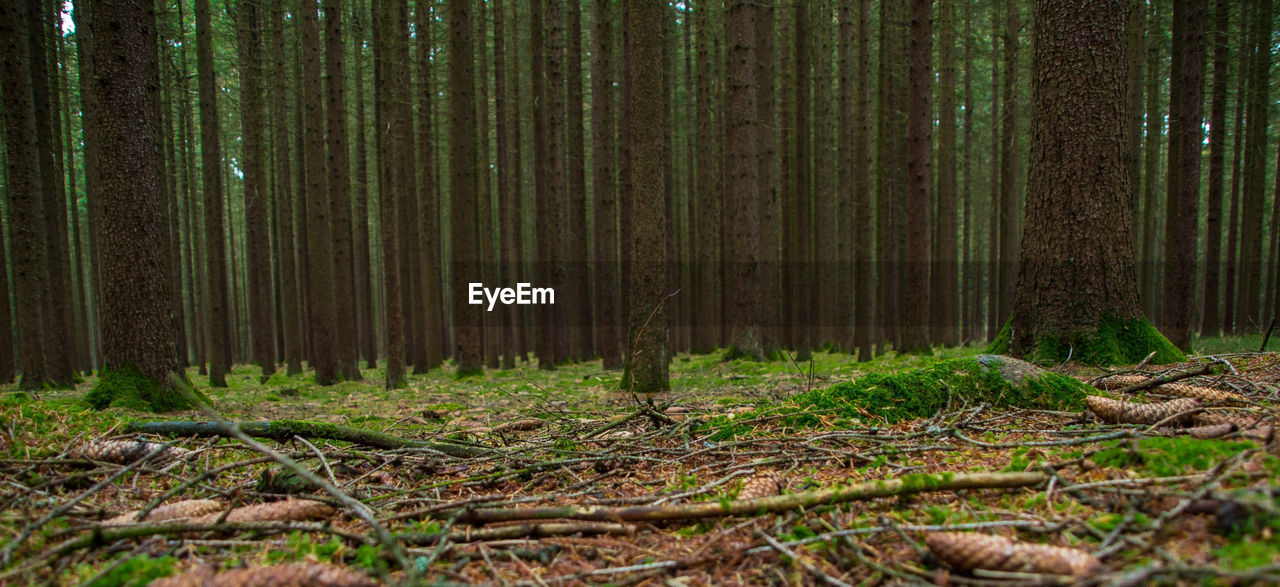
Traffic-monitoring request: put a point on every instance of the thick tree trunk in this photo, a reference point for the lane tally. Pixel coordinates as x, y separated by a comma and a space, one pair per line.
365, 326
138, 335
915, 284
944, 277
647, 335
1076, 293
391, 53
23, 183
463, 188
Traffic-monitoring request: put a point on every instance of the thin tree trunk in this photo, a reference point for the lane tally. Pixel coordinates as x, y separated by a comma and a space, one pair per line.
945, 316
604, 185
215, 244
365, 341
319, 212
463, 187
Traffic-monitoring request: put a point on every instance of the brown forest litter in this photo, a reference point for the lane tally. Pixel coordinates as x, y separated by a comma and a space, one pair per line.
968, 496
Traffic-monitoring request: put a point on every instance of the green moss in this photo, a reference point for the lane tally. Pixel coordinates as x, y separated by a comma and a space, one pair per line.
1167, 457
139, 570
923, 392
303, 428
1116, 341
126, 387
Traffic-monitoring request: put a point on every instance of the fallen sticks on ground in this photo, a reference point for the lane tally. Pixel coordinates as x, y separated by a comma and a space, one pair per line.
287, 429
1202, 369
907, 485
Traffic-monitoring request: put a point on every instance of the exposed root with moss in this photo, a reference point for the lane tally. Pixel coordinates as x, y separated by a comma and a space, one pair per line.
1115, 341
126, 387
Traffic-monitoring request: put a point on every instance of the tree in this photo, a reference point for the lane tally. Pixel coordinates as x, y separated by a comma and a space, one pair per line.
55, 283
863, 293
219, 347
1248, 312
139, 340
706, 331
1185, 143
742, 230
1010, 196
1077, 295
344, 304
319, 237
1211, 320
391, 52
462, 184
915, 283
284, 197
254, 120
363, 263
945, 303
604, 185
647, 336
26, 217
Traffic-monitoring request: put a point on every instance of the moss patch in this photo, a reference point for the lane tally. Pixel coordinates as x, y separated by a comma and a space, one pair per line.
1116, 341
921, 393
1167, 457
126, 387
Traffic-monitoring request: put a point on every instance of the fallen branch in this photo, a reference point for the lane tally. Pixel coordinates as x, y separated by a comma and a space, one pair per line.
907, 485
1202, 369
287, 429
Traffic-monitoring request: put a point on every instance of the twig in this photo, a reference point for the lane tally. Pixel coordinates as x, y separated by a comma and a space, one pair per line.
828, 579
1270, 327
1202, 369
908, 485
26, 533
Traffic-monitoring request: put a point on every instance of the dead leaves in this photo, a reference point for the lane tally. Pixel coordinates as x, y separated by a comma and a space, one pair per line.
290, 575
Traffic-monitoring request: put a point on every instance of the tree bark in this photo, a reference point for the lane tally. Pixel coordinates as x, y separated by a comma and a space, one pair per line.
915, 284
743, 229
219, 347
462, 169
138, 333
604, 185
1077, 268
24, 188
647, 335
319, 212
1185, 144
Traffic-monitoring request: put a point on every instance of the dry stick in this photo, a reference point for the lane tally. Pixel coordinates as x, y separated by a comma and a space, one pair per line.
1270, 327
1203, 369
773, 504
26, 533
361, 510
828, 579
287, 429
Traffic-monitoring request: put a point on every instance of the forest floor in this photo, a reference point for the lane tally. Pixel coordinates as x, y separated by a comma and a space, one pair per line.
1150, 504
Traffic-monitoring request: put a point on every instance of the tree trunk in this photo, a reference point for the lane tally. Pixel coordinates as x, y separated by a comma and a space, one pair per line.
24, 188
1186, 140
1150, 191
944, 303
707, 324
365, 327
139, 339
647, 335
576, 314
604, 185
463, 188
1076, 290
391, 53
344, 318
863, 298
915, 284
1010, 195
253, 120
319, 212
743, 229
219, 349
1248, 312
1210, 319
1233, 215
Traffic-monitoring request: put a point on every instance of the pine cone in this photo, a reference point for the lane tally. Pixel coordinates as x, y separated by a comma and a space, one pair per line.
762, 485
123, 452
1200, 392
1242, 421
290, 575
519, 426
179, 510
965, 551
289, 510
1213, 431
1120, 412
